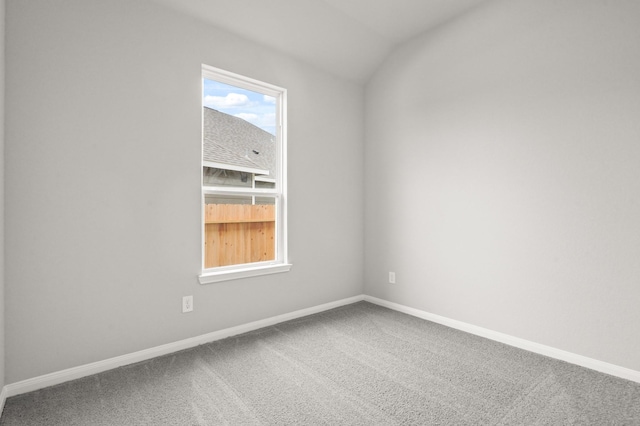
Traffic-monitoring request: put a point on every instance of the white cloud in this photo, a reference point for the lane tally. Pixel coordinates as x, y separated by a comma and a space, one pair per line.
231, 100
264, 121
269, 120
269, 99
252, 118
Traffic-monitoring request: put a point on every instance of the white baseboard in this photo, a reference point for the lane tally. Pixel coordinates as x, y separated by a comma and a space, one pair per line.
3, 398
593, 364
108, 364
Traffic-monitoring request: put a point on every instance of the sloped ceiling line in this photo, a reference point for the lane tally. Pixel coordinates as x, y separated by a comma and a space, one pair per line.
349, 38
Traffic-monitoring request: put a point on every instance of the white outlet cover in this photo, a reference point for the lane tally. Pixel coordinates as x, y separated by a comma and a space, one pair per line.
392, 277
187, 304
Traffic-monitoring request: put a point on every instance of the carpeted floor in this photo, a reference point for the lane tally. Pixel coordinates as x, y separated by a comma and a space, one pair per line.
356, 365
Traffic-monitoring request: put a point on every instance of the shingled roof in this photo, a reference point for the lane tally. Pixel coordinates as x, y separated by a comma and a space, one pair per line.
235, 142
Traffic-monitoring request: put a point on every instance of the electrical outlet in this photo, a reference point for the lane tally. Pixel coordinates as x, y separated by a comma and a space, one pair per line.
392, 277
187, 304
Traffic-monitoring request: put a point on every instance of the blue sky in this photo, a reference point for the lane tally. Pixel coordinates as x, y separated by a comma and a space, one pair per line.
256, 108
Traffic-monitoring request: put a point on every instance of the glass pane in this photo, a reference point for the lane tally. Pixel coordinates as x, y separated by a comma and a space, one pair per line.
239, 142
265, 200
220, 177
227, 199
269, 185
239, 229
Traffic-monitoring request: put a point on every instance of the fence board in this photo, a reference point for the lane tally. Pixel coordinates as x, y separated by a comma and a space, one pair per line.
239, 233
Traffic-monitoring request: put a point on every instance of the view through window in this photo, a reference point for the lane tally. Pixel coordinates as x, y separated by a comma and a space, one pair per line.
242, 172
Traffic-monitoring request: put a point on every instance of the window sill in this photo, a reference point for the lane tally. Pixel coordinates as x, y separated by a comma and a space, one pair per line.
217, 276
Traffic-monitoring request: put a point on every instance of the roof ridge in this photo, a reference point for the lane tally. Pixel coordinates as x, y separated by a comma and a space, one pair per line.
236, 142
235, 154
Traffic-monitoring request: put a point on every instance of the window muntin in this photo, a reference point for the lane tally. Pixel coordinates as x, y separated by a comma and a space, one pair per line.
243, 177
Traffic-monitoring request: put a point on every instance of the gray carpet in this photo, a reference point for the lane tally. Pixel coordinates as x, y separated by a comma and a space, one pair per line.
356, 365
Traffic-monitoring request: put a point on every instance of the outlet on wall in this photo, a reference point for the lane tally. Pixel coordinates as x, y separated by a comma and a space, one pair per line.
187, 304
392, 277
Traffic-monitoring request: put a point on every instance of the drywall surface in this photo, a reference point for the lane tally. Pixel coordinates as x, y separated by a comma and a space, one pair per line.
501, 174
103, 154
2, 26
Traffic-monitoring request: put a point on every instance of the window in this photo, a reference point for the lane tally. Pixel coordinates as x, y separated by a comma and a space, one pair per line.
243, 177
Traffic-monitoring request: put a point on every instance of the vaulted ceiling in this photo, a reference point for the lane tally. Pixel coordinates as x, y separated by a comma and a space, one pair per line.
349, 38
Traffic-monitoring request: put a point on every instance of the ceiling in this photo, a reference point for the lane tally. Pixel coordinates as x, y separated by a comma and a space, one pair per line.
349, 38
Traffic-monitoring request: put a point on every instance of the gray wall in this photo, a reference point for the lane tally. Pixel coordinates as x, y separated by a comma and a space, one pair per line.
502, 174
103, 183
2, 26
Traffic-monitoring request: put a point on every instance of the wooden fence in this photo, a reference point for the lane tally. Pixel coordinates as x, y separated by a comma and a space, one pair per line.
238, 233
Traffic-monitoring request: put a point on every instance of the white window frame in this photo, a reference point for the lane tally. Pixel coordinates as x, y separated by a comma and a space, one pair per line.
281, 262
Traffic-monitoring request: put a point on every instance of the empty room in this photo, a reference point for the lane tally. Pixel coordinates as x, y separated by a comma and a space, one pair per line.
313, 212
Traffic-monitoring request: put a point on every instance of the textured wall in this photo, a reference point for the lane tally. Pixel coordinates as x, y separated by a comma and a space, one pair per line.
502, 178
103, 183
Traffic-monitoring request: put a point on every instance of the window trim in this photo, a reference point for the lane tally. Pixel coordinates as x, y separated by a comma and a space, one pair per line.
256, 269
281, 262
